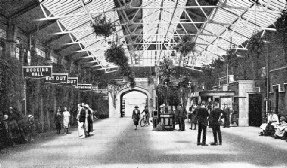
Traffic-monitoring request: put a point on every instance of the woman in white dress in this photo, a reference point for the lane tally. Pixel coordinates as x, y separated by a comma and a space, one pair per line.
66, 119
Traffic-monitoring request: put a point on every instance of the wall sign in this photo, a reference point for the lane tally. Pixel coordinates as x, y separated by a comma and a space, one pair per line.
84, 86
57, 78
37, 71
71, 81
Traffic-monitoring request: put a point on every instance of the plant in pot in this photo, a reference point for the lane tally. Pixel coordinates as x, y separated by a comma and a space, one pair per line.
116, 54
102, 27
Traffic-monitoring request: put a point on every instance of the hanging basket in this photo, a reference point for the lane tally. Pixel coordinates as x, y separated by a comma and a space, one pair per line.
116, 54
102, 27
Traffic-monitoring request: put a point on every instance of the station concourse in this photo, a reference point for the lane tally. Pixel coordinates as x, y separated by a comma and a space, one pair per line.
74, 72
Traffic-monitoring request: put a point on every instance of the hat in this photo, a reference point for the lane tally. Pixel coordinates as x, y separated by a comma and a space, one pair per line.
163, 105
5, 116
136, 106
283, 118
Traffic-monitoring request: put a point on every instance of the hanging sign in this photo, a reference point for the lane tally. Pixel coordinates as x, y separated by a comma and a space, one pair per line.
84, 86
57, 78
37, 71
71, 81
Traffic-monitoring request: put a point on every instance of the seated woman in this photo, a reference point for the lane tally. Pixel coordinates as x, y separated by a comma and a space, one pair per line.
267, 129
280, 128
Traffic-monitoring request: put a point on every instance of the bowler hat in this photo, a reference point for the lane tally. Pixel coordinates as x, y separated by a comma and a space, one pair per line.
136, 107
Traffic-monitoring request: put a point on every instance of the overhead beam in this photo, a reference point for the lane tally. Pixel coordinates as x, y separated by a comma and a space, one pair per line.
42, 26
57, 37
62, 48
24, 9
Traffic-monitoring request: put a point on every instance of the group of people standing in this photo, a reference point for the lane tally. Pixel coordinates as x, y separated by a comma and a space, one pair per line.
62, 118
213, 119
210, 106
84, 117
85, 120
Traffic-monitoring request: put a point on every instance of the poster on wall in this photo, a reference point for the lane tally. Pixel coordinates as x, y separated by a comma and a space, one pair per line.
71, 81
226, 101
37, 71
57, 78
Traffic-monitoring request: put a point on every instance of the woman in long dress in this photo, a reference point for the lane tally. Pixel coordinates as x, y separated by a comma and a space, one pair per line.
89, 120
136, 116
66, 119
57, 120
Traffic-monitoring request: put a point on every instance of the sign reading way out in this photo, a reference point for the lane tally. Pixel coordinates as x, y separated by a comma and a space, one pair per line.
57, 78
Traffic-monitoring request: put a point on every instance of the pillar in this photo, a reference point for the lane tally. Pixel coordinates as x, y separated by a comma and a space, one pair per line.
10, 47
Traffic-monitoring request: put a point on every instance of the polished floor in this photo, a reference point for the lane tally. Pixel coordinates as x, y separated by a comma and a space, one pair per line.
115, 143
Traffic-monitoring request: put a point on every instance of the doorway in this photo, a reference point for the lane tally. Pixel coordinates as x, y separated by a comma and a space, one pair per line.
132, 99
255, 110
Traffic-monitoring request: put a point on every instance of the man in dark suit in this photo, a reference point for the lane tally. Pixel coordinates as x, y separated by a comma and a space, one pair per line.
201, 116
215, 121
181, 116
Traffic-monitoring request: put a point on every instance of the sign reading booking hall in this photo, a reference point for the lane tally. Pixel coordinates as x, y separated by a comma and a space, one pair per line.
37, 71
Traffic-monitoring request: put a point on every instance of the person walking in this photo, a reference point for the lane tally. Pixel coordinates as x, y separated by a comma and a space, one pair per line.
66, 119
201, 116
57, 120
226, 111
136, 116
146, 112
181, 116
215, 121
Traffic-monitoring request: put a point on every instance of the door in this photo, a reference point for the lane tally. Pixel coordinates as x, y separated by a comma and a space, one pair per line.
255, 110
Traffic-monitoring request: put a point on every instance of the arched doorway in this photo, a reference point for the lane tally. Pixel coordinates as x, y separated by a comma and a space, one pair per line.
120, 95
131, 99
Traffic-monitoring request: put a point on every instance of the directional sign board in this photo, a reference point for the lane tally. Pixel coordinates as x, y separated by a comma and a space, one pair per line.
57, 78
37, 71
72, 81
84, 86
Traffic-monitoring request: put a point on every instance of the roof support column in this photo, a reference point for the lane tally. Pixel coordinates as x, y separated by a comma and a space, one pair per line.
11, 34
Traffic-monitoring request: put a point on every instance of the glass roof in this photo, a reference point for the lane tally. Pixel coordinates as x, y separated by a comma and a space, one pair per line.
149, 28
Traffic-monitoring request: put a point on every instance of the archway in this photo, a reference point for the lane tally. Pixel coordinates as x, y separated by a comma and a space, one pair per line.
125, 91
131, 99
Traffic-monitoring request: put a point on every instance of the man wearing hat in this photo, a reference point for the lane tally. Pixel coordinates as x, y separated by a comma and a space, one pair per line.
136, 116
